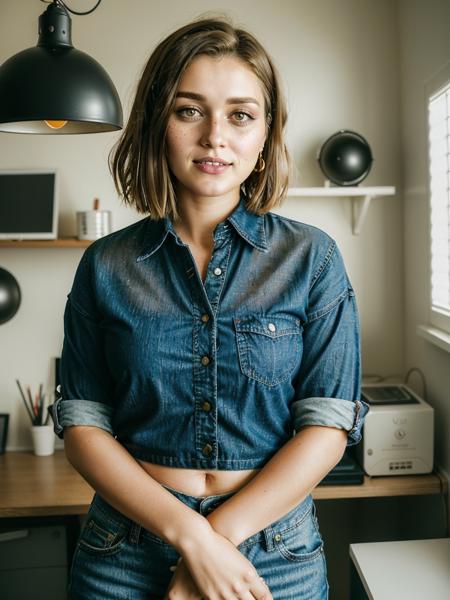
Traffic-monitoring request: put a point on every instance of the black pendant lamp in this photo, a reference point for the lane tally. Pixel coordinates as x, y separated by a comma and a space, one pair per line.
54, 88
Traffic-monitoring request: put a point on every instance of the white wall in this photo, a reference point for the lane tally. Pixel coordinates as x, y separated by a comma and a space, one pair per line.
425, 49
339, 60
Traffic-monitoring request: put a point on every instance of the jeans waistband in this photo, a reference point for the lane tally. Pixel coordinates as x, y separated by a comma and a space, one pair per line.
205, 505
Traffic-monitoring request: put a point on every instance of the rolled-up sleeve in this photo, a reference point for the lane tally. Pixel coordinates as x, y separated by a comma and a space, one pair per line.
85, 396
328, 386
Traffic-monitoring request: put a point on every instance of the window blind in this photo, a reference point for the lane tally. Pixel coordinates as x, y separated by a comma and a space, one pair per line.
439, 166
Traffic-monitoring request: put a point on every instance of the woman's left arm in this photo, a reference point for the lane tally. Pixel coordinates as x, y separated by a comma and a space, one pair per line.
291, 474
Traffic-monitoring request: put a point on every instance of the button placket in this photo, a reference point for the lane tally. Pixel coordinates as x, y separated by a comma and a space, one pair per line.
205, 347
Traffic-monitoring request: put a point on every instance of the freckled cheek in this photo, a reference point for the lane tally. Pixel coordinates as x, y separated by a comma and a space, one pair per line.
177, 141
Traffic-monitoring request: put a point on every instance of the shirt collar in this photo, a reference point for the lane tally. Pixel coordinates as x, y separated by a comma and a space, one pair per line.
248, 225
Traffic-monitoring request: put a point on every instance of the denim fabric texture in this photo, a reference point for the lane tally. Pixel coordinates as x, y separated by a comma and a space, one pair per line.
116, 559
216, 374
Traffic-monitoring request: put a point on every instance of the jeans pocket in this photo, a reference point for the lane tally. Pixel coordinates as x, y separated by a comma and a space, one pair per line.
103, 534
301, 541
269, 348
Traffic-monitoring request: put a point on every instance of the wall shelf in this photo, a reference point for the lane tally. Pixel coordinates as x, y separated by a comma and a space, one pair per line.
361, 198
70, 242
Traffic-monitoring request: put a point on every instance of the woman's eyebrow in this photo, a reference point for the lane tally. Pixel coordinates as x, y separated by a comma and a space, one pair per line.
200, 98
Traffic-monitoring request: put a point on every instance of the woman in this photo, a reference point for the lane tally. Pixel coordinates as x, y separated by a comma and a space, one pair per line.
210, 369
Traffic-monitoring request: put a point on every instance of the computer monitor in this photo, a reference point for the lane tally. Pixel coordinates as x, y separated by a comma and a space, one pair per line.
29, 204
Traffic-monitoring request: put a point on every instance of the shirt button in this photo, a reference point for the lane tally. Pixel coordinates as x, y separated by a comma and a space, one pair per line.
207, 449
205, 318
205, 360
277, 537
217, 271
271, 327
206, 406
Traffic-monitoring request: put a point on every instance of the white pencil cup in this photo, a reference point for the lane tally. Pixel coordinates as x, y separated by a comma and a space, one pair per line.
43, 439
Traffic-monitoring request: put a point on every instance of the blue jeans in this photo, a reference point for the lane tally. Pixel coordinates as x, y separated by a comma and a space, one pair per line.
117, 559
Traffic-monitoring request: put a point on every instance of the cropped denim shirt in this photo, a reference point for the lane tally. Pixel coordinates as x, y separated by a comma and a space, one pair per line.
216, 374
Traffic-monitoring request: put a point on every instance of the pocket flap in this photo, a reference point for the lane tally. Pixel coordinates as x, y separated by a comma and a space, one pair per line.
272, 327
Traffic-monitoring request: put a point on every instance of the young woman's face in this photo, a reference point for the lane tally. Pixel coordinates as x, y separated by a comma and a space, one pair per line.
217, 128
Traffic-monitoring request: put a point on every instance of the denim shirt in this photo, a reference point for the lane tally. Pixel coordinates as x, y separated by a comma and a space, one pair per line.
217, 374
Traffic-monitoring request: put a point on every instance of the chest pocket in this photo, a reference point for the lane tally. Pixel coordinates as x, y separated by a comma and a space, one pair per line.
269, 348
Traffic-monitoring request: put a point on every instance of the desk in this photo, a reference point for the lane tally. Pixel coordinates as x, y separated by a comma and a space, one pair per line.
410, 570
49, 486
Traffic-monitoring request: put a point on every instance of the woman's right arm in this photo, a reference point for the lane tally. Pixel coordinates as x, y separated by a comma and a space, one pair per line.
109, 468
217, 567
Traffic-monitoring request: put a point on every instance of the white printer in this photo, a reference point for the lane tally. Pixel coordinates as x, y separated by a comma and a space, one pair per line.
398, 432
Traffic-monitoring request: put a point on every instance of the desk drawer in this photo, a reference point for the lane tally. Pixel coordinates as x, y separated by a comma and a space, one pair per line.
33, 547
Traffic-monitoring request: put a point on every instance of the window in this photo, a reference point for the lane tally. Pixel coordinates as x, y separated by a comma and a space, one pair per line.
438, 99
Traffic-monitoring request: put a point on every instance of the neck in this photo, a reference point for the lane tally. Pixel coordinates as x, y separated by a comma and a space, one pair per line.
199, 216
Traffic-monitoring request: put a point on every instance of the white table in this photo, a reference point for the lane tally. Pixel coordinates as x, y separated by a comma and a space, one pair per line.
410, 570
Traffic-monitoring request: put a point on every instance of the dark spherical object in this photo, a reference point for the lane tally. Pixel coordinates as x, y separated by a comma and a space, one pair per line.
9, 296
345, 158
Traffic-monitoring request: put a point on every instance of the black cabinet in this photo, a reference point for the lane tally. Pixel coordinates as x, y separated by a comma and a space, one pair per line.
35, 557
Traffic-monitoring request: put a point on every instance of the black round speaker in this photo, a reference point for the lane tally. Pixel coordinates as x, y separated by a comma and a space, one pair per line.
345, 158
9, 296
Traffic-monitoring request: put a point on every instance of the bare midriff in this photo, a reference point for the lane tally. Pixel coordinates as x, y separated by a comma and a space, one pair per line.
195, 482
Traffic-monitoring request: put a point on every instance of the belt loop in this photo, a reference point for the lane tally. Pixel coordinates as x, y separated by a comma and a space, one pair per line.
268, 537
135, 532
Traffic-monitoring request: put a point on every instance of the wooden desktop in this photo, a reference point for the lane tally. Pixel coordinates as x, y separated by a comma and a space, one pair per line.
37, 486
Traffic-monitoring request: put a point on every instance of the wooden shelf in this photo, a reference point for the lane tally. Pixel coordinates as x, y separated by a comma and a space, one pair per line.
48, 485
70, 242
361, 198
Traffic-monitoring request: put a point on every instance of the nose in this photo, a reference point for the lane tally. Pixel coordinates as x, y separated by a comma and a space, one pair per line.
213, 134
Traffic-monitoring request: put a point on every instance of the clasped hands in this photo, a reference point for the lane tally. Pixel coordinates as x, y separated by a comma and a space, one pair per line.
212, 568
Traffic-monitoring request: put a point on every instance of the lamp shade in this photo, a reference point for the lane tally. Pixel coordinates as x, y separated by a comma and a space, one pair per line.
54, 88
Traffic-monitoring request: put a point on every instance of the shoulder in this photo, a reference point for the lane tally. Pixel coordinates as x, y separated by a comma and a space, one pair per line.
276, 225
119, 245
312, 243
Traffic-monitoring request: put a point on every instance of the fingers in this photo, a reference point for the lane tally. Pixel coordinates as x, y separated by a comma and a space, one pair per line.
182, 586
260, 590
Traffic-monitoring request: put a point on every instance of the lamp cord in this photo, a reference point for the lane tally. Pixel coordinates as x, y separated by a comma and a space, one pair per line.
74, 12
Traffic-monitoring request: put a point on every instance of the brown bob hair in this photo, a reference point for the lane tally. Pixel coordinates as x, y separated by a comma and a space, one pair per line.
138, 162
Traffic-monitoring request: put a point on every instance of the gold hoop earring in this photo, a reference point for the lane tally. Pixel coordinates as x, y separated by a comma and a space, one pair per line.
261, 164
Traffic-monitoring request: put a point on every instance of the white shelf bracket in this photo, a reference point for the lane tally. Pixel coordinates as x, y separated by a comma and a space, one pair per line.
359, 215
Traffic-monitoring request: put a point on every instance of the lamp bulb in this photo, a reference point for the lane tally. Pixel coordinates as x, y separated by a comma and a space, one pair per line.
55, 124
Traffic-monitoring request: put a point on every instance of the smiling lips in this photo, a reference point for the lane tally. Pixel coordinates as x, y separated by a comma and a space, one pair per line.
212, 165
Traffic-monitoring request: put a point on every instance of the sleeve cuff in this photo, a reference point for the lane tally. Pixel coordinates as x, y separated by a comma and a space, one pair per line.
80, 412
331, 412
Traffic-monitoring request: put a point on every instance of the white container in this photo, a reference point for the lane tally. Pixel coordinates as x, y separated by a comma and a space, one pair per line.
43, 439
93, 224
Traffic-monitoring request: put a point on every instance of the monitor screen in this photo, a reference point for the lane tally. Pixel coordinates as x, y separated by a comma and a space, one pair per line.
28, 204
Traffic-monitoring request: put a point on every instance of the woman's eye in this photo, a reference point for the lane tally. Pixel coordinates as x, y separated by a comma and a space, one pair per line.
242, 117
189, 112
